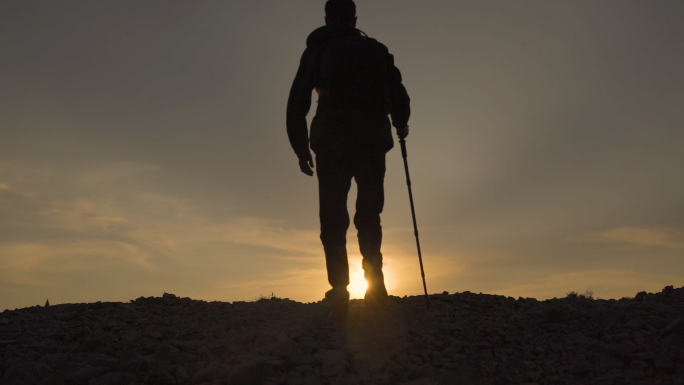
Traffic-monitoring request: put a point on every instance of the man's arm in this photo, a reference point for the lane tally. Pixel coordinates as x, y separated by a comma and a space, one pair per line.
298, 105
400, 104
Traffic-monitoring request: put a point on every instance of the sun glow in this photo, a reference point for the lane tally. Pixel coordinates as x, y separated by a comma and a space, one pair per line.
357, 284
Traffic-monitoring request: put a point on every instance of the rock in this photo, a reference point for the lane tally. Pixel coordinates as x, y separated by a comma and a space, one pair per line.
111, 378
334, 362
675, 326
421, 381
253, 370
104, 361
65, 316
7, 342
463, 338
581, 368
85, 373
53, 379
635, 373
664, 363
555, 315
677, 293
636, 323
177, 358
301, 359
204, 351
650, 298
160, 377
579, 337
373, 362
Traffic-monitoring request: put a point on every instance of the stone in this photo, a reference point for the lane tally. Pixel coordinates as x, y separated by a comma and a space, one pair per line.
334, 362
53, 379
421, 381
85, 373
635, 373
252, 370
469, 338
65, 316
663, 362
675, 326
373, 362
111, 378
160, 377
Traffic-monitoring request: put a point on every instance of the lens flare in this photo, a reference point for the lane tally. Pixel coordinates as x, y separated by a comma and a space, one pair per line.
357, 284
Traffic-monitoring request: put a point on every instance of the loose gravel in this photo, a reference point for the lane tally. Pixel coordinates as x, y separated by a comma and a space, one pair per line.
463, 338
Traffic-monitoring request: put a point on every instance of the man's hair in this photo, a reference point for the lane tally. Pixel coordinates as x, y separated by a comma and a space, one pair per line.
340, 11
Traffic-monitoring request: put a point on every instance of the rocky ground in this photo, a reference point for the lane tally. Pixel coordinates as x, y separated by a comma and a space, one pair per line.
463, 338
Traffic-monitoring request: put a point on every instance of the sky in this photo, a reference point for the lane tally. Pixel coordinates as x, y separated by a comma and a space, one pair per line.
143, 149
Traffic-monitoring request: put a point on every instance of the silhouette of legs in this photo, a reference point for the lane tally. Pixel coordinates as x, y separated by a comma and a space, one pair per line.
370, 200
334, 180
369, 176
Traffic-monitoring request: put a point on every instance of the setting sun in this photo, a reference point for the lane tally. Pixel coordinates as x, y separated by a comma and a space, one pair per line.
357, 284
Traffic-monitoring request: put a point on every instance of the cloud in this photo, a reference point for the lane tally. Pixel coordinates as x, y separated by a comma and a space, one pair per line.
271, 233
110, 220
4, 186
39, 263
83, 215
117, 172
635, 237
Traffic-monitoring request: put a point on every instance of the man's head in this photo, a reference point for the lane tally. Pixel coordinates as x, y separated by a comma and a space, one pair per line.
340, 13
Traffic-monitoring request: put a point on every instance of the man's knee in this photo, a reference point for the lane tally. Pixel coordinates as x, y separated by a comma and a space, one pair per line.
334, 238
367, 221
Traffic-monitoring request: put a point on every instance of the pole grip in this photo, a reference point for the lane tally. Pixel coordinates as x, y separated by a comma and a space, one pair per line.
402, 141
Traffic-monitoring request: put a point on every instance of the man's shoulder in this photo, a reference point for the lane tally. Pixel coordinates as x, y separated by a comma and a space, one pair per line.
317, 37
379, 44
371, 41
322, 35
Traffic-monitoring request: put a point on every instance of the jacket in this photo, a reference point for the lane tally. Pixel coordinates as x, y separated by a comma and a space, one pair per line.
330, 127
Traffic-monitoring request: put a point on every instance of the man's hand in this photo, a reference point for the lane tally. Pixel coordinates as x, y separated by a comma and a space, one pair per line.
403, 132
306, 165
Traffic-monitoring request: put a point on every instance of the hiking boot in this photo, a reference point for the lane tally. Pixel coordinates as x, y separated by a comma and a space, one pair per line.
376, 293
376, 296
337, 300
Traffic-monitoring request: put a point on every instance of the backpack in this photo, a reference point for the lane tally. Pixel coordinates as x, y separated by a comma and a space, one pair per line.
352, 75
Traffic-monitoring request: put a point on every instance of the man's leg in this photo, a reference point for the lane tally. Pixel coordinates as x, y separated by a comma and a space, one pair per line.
334, 181
370, 176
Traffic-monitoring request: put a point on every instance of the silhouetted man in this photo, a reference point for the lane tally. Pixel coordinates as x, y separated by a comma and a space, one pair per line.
358, 86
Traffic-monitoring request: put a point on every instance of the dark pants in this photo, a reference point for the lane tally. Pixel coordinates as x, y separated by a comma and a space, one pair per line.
335, 173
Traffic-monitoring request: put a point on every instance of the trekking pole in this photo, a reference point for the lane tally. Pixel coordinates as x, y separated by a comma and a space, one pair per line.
413, 213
